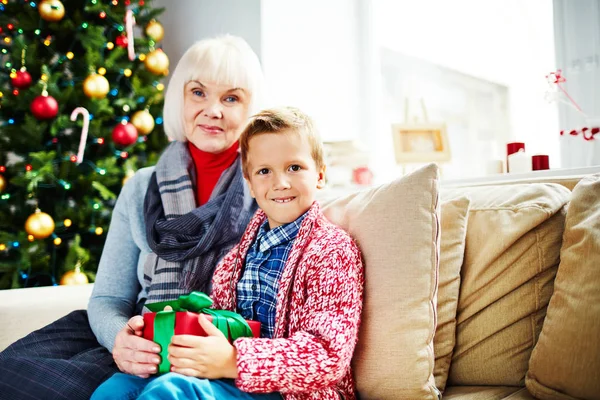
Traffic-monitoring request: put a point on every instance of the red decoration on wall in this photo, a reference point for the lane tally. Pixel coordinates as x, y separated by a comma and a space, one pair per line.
587, 133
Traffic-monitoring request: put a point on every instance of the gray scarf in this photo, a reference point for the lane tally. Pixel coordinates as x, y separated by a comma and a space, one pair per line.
187, 242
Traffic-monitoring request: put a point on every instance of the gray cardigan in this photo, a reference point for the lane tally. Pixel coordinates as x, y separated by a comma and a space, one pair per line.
120, 279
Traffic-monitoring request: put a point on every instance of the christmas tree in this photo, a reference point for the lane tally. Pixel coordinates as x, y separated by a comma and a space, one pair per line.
80, 110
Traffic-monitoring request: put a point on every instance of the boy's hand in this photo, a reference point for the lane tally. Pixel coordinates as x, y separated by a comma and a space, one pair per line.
210, 357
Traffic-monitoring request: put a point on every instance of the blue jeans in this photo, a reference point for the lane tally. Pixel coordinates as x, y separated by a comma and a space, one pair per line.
173, 386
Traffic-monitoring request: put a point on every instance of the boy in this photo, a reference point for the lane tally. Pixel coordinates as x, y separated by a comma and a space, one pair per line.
296, 273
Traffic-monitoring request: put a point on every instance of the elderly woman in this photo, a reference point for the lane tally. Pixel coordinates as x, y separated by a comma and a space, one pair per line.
169, 228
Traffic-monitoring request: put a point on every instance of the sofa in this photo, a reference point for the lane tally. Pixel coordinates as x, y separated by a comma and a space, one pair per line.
474, 291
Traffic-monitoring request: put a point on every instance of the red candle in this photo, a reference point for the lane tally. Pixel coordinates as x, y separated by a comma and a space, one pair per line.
512, 148
540, 162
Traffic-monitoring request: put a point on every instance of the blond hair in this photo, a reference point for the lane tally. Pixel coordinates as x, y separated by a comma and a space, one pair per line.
225, 60
282, 120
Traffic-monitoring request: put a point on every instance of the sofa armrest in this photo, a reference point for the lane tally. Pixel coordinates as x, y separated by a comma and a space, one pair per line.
24, 310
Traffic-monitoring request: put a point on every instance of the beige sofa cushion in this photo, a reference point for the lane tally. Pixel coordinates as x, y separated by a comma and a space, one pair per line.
24, 310
565, 363
397, 228
487, 393
512, 251
454, 229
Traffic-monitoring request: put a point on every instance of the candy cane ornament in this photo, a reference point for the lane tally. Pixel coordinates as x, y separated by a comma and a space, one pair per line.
84, 130
129, 22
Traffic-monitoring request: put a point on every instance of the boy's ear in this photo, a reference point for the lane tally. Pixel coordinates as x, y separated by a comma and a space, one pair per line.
321, 181
250, 187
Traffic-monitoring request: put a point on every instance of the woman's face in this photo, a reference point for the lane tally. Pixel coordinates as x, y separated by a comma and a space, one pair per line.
214, 115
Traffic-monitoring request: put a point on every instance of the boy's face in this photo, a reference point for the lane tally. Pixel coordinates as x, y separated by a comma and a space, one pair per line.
282, 175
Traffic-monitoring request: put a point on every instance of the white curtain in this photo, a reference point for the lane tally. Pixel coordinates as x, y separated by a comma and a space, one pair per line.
577, 39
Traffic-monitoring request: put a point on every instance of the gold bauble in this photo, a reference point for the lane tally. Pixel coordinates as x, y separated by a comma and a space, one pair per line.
143, 122
157, 62
96, 86
39, 224
51, 10
74, 277
2, 183
155, 31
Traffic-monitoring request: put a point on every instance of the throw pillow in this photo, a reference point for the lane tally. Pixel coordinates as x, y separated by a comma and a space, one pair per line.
514, 235
396, 227
565, 363
454, 229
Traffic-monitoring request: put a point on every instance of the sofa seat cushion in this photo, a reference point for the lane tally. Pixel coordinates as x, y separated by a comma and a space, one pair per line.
565, 363
514, 234
454, 229
396, 226
25, 310
486, 393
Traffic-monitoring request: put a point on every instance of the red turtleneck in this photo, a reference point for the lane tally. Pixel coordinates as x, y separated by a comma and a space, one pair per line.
209, 168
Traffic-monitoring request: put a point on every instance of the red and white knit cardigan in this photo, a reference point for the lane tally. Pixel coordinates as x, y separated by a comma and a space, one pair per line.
318, 314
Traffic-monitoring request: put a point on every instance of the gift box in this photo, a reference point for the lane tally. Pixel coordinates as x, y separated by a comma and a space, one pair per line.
160, 325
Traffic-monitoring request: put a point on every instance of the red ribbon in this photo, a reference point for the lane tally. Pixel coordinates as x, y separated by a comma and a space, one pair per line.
588, 133
557, 78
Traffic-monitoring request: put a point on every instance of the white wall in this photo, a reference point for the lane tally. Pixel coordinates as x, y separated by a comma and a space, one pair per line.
508, 42
311, 60
187, 21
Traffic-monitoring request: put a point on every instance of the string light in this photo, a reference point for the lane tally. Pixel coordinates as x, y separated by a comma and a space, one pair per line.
15, 92
100, 141
73, 158
124, 154
126, 108
70, 55
110, 45
115, 2
127, 72
102, 15
160, 87
64, 184
10, 26
98, 231
102, 70
7, 40
142, 57
2, 168
5, 196
31, 238
28, 167
57, 241
159, 120
44, 77
2, 247
101, 171
96, 206
84, 25
67, 222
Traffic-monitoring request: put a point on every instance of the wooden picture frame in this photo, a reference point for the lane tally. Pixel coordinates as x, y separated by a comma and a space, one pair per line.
419, 143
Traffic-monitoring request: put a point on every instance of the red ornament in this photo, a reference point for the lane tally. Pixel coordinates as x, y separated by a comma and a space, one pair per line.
124, 134
44, 107
22, 80
122, 41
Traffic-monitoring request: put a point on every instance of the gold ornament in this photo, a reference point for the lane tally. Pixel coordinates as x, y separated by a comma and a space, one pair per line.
51, 10
39, 224
143, 122
74, 277
96, 86
155, 31
2, 183
157, 62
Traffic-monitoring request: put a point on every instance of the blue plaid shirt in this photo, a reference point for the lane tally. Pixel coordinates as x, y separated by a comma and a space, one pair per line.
257, 290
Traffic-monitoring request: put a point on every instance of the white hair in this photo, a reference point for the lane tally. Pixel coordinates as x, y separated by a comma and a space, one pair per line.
227, 60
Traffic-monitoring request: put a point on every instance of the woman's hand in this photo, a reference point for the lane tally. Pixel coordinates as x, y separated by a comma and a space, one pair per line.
209, 357
133, 354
